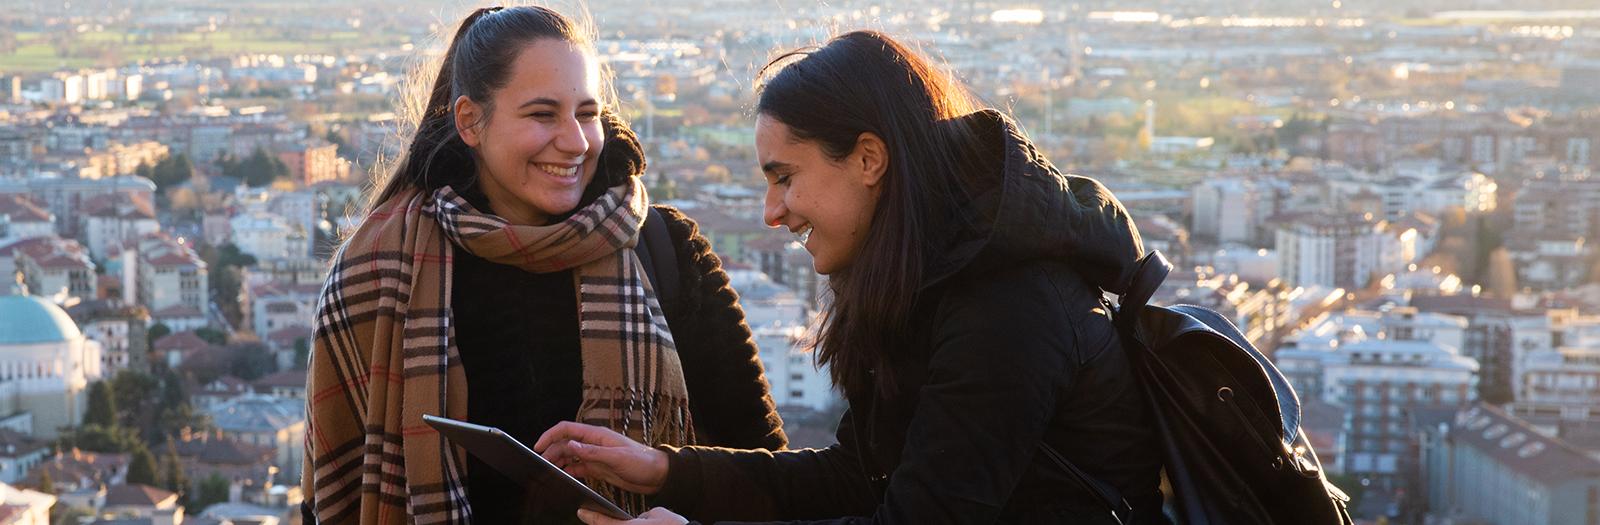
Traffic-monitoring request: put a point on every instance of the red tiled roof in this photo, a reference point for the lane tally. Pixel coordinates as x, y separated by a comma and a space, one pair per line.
15, 245
61, 260
137, 495
711, 219
16, 444
51, 252
22, 209
160, 250
169, 259
222, 451
119, 206
182, 341
70, 466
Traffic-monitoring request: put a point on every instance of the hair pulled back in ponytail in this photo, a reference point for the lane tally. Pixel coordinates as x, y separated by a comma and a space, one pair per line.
478, 62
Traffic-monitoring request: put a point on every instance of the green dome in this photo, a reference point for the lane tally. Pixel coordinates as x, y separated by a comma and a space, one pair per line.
25, 319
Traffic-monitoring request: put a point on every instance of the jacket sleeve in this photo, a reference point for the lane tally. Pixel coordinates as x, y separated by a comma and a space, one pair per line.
716, 484
727, 388
999, 358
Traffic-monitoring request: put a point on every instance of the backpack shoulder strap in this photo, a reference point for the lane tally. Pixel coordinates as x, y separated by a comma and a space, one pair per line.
1151, 271
659, 259
1120, 509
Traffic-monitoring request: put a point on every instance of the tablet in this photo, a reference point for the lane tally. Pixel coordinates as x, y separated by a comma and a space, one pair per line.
551, 490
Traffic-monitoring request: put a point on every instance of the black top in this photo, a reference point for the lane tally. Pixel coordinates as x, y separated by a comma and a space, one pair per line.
517, 333
1009, 347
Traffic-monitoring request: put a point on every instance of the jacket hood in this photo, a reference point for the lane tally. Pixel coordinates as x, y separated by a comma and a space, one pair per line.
1035, 212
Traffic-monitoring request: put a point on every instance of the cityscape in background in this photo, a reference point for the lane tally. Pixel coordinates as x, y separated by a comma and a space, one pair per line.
1395, 200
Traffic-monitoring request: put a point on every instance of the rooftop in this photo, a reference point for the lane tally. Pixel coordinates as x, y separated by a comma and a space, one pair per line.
181, 341
119, 205
257, 413
26, 319
22, 209
137, 495
223, 451
1514, 443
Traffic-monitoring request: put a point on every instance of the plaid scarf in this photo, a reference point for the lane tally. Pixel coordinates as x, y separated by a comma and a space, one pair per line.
384, 352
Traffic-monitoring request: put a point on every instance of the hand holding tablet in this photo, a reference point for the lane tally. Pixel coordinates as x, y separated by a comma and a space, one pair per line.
557, 493
593, 452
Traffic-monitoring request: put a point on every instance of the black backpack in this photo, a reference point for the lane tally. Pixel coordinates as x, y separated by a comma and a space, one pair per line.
659, 259
1229, 422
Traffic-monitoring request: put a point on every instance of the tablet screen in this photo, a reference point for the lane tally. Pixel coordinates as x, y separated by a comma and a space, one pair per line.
551, 491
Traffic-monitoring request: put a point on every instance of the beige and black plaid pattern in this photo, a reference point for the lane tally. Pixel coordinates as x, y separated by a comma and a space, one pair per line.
384, 354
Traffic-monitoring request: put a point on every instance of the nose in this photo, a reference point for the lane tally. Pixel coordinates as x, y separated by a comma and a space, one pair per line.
774, 209
570, 138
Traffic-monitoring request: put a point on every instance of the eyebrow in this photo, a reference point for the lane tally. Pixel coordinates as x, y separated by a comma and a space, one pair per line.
547, 101
774, 166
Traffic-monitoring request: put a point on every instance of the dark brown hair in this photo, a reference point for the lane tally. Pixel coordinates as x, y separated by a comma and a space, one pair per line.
477, 63
860, 82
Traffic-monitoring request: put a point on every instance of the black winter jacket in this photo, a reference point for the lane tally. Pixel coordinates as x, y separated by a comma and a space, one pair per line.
1012, 346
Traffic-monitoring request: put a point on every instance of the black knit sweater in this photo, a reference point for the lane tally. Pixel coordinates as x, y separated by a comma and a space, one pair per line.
518, 336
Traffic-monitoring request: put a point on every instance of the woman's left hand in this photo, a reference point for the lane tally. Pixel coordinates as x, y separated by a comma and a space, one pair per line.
655, 516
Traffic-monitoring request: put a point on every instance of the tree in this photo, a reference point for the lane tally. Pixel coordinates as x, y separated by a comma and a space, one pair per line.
257, 170
250, 361
212, 335
333, 137
171, 171
47, 485
142, 468
226, 264
175, 480
95, 438
302, 353
156, 332
212, 490
102, 406
135, 395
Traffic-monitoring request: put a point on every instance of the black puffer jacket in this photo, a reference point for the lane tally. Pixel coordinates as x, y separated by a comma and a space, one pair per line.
1012, 347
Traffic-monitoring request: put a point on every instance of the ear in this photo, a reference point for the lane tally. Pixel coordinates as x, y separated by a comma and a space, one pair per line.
468, 117
872, 156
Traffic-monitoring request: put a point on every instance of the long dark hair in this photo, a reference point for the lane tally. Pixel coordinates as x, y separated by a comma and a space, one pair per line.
865, 81
477, 63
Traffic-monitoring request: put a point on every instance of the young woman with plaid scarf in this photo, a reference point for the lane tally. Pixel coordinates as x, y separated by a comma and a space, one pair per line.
967, 330
494, 280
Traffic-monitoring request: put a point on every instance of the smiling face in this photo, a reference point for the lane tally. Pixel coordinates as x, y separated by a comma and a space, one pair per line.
827, 203
538, 141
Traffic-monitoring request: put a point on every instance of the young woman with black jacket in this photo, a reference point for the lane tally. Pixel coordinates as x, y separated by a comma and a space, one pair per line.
966, 329
495, 280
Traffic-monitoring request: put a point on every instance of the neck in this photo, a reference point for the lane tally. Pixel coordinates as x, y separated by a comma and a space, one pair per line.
507, 206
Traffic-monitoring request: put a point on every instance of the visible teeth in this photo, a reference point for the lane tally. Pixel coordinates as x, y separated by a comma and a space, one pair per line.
559, 171
803, 234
